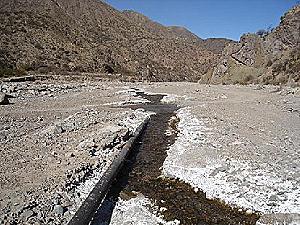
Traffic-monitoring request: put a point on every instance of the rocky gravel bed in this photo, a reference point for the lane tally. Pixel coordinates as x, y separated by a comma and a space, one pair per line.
236, 143
239, 144
56, 142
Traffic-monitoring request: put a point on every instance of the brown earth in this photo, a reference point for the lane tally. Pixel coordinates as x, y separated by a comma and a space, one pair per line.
269, 57
90, 36
45, 36
55, 136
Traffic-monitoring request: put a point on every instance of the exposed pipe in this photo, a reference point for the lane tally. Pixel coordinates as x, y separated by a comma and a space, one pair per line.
87, 210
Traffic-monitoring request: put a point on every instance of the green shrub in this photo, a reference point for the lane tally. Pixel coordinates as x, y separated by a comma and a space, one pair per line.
8, 72
20, 71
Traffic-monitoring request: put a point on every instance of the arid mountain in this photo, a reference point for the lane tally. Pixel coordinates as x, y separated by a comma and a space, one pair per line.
215, 45
172, 32
184, 33
267, 57
78, 36
90, 36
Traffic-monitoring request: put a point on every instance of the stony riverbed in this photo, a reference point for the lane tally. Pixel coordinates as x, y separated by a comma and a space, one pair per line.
236, 143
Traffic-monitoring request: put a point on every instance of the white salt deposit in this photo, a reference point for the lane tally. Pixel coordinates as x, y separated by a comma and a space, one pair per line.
241, 183
137, 211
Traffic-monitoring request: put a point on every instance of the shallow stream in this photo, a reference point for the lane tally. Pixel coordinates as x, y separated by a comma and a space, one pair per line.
141, 173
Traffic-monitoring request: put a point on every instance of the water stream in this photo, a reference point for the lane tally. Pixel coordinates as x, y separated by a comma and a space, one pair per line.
141, 174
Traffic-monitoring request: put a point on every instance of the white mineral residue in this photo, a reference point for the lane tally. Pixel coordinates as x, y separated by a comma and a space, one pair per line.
131, 122
136, 211
241, 183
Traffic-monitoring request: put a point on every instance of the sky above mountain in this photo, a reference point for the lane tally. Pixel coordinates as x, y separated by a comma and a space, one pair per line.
211, 18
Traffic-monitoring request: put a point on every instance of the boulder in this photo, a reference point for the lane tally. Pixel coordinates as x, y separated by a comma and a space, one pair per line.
3, 99
58, 210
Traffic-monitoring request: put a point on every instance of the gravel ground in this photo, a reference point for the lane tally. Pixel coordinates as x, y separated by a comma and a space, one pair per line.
241, 145
237, 143
56, 141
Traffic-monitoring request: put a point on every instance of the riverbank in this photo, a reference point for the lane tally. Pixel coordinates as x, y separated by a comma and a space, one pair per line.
236, 143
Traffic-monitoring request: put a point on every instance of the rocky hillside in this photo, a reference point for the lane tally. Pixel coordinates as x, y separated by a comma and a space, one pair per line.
215, 45
90, 36
266, 57
171, 32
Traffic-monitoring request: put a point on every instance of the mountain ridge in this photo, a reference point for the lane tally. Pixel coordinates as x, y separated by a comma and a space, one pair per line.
91, 36
267, 58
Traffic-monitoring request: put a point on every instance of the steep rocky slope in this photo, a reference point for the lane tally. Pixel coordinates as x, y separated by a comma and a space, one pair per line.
171, 32
266, 58
215, 45
45, 36
90, 36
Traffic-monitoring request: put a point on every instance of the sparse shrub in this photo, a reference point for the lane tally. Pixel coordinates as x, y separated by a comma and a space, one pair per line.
278, 67
282, 79
6, 72
44, 70
20, 71
269, 63
262, 32
267, 79
290, 65
296, 66
246, 79
108, 68
38, 46
295, 54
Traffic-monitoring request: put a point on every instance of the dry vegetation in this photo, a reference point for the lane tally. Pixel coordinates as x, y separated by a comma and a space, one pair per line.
58, 36
266, 57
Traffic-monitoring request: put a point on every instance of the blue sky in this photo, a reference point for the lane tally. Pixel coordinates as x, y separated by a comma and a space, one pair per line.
211, 18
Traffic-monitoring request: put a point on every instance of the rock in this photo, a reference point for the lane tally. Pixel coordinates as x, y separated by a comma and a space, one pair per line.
26, 214
58, 129
273, 198
58, 209
249, 212
37, 223
218, 170
10, 90
86, 144
3, 99
258, 87
53, 129
70, 155
275, 90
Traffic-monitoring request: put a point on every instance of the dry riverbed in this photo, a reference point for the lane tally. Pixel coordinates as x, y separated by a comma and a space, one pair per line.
239, 144
56, 141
